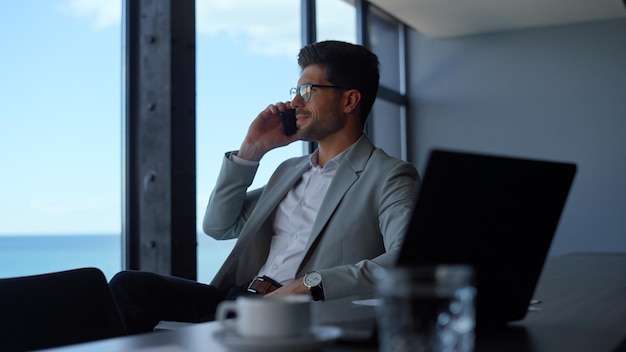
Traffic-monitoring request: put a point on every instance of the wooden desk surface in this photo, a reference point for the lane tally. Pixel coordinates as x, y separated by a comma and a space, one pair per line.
583, 309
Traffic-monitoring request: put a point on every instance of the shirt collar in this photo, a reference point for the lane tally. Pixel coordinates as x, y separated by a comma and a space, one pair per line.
331, 165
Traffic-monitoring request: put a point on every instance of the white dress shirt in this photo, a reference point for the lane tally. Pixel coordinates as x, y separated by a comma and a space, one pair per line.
295, 216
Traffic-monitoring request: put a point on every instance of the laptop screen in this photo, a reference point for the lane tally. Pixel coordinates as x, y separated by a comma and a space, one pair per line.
498, 214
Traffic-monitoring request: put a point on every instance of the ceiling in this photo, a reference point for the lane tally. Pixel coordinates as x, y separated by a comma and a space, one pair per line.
448, 18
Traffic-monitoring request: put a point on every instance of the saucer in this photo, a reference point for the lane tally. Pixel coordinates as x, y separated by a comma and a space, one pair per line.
320, 336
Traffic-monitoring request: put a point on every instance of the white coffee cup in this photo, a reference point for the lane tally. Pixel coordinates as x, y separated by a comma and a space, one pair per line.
278, 316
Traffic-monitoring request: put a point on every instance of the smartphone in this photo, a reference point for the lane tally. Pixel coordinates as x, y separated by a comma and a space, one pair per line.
289, 121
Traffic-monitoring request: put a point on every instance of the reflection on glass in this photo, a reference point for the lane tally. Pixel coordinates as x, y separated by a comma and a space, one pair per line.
387, 127
60, 137
385, 42
246, 60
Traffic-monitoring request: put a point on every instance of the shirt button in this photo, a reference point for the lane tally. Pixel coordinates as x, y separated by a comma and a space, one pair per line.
293, 236
274, 266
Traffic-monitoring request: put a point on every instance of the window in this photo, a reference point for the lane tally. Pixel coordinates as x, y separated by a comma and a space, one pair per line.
60, 137
385, 121
61, 121
385, 41
387, 124
336, 20
246, 60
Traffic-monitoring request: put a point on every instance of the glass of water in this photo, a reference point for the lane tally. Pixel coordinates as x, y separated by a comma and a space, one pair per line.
426, 309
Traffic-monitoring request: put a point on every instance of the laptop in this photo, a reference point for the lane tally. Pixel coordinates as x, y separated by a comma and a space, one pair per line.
496, 213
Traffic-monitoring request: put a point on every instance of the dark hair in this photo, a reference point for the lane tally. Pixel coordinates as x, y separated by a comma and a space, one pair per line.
347, 65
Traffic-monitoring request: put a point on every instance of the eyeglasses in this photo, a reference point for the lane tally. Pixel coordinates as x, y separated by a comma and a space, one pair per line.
305, 90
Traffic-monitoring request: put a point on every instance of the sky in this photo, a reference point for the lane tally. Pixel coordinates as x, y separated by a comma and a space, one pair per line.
61, 98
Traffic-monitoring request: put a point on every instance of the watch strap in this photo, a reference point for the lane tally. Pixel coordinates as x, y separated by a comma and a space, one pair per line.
317, 292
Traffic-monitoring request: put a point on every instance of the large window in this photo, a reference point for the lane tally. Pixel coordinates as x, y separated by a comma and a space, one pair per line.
246, 60
60, 136
61, 123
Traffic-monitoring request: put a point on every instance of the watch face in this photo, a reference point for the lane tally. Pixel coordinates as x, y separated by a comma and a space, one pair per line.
313, 279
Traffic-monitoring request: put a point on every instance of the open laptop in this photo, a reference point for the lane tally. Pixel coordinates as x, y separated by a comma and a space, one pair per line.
496, 213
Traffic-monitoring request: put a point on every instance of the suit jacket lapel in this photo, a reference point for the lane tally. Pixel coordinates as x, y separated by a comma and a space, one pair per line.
347, 174
274, 192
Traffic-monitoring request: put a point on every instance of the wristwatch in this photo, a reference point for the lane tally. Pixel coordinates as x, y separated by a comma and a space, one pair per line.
313, 280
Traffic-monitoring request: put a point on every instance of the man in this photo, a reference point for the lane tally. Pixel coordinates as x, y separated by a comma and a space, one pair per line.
321, 225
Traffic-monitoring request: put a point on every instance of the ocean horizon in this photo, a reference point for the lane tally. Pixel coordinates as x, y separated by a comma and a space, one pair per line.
33, 254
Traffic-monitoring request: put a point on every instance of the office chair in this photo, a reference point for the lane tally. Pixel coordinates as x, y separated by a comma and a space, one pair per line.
56, 309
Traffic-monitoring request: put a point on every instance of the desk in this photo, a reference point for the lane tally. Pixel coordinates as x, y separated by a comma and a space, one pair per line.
583, 309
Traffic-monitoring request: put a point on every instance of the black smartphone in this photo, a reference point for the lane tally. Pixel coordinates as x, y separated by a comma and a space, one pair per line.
289, 121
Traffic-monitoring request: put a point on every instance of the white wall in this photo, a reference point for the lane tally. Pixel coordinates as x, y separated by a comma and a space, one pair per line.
555, 93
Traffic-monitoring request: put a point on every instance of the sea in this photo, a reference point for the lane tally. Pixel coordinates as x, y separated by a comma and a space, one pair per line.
22, 255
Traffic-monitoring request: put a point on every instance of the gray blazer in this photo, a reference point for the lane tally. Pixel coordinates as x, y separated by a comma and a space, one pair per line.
359, 228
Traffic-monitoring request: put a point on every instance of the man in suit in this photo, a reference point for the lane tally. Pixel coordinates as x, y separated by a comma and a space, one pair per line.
321, 225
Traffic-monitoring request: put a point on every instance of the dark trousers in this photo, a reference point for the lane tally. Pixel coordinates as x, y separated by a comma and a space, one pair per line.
145, 298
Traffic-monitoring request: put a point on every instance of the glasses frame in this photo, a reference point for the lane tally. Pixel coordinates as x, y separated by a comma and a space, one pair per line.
308, 87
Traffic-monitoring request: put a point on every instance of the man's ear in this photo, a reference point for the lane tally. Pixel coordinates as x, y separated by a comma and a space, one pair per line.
352, 98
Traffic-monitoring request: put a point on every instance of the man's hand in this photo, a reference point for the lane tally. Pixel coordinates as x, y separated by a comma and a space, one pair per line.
265, 133
293, 288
